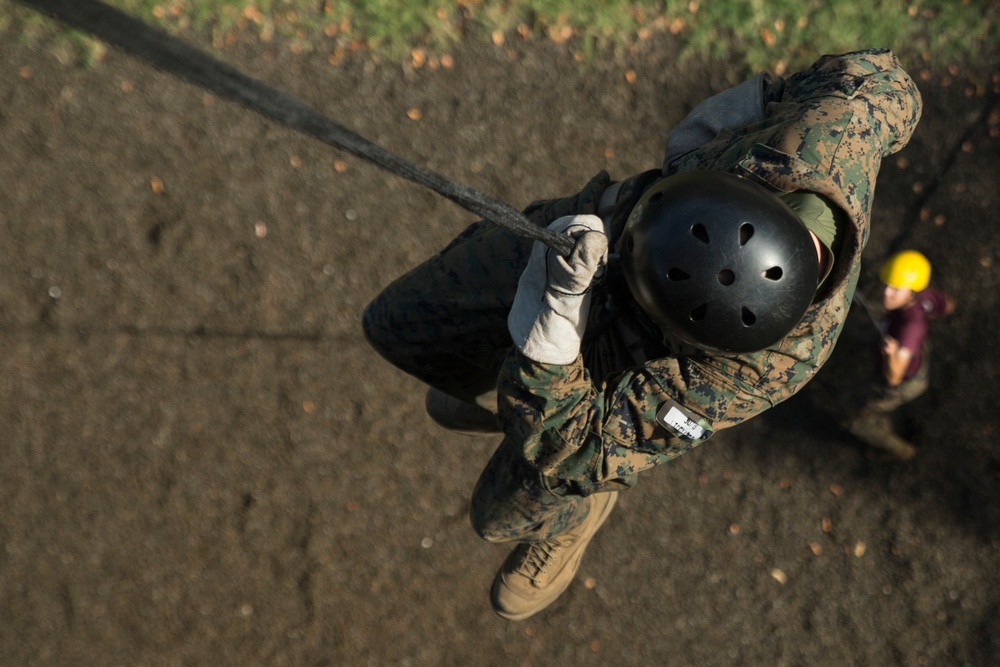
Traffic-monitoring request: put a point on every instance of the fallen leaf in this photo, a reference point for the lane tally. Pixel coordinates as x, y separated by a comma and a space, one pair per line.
815, 548
859, 549
414, 113
779, 576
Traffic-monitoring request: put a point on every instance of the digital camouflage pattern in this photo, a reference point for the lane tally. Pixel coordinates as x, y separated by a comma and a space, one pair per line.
826, 132
591, 426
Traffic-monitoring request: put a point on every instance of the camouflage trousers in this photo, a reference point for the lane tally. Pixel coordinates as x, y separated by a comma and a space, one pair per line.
873, 423
445, 322
885, 399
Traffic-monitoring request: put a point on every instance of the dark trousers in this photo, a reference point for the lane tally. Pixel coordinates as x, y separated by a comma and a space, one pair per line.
445, 323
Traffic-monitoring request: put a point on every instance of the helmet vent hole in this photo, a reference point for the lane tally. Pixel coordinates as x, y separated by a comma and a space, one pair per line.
774, 273
629, 245
657, 196
749, 319
698, 314
677, 274
726, 277
746, 231
700, 233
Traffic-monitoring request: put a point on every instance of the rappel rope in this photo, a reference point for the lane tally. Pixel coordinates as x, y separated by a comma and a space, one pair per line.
200, 69
870, 312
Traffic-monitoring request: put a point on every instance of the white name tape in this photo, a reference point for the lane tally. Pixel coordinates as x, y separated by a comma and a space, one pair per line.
681, 422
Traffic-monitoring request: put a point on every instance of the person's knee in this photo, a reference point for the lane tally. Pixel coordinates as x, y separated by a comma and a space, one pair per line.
485, 523
375, 323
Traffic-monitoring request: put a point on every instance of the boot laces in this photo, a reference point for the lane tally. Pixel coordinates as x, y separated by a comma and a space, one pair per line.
539, 557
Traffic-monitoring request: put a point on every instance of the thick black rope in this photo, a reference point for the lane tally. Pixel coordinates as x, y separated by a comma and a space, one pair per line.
196, 67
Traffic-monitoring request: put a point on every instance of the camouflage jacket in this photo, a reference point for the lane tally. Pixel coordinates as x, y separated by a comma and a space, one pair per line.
594, 423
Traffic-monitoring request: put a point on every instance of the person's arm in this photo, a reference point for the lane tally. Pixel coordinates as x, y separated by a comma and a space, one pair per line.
939, 302
739, 106
896, 361
565, 424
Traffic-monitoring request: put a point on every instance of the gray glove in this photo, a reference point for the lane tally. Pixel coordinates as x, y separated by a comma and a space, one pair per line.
549, 314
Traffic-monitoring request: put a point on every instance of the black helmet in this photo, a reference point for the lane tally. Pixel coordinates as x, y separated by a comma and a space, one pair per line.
719, 261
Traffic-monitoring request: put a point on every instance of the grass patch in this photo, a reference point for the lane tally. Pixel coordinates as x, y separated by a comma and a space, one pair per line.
762, 34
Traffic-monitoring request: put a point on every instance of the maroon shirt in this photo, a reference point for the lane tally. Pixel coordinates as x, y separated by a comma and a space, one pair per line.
909, 324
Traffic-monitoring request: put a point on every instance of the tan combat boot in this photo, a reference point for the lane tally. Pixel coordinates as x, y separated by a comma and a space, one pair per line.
875, 430
897, 447
536, 573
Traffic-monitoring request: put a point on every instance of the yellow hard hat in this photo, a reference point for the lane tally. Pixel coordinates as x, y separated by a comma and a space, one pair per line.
906, 270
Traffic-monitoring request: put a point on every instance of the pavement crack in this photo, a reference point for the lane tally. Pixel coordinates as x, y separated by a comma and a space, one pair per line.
68, 607
305, 584
206, 333
46, 325
245, 506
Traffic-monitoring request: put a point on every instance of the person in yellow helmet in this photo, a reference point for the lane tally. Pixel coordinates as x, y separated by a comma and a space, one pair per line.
903, 371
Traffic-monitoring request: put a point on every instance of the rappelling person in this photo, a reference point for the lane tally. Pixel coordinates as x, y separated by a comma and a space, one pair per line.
903, 365
696, 296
